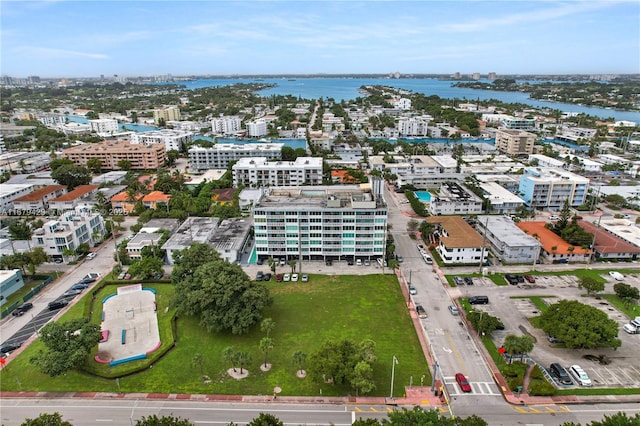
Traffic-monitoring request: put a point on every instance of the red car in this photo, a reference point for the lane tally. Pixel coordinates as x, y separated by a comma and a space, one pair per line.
463, 383
530, 278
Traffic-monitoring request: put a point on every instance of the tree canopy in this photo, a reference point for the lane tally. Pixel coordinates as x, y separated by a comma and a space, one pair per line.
68, 344
218, 292
339, 362
71, 175
579, 325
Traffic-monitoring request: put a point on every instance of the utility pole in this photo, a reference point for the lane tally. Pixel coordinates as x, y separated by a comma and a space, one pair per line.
393, 372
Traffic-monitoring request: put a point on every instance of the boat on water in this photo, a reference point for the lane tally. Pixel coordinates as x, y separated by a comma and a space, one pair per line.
264, 140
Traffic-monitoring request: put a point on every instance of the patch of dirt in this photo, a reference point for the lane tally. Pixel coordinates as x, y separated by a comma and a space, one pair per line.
237, 374
301, 374
265, 367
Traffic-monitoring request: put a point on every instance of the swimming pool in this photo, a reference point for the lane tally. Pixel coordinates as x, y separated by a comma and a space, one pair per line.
424, 196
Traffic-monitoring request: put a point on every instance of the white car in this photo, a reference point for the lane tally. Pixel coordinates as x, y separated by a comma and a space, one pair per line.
579, 374
286, 277
554, 217
294, 277
91, 255
616, 275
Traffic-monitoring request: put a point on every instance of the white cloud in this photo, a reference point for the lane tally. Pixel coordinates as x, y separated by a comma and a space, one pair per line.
542, 15
46, 52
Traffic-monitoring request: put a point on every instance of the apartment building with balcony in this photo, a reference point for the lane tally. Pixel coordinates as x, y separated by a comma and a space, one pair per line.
171, 113
515, 142
111, 152
330, 222
546, 188
175, 140
226, 125
458, 242
257, 128
454, 198
104, 126
71, 229
257, 171
220, 155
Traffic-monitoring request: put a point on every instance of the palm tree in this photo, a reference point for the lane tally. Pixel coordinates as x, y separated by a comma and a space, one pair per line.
229, 355
267, 326
266, 344
299, 359
272, 264
198, 361
292, 263
243, 358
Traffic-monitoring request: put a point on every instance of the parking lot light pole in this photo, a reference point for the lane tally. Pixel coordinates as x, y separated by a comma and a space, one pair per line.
393, 372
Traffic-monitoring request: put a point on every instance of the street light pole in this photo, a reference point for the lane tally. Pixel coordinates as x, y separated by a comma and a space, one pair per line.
393, 373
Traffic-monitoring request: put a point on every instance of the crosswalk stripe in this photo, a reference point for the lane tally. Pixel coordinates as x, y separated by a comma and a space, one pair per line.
520, 410
535, 410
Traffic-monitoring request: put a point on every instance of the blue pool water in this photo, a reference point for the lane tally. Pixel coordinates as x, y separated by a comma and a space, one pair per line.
423, 196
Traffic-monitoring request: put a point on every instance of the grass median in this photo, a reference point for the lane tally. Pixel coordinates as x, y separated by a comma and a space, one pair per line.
306, 315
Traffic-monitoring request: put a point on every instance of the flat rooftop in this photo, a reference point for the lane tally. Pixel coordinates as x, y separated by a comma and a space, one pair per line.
506, 231
320, 197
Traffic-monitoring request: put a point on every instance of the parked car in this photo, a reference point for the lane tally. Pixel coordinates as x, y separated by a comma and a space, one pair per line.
554, 340
283, 261
511, 279
127, 276
294, 277
71, 292
468, 281
266, 277
286, 277
453, 310
9, 347
350, 262
458, 280
580, 376
422, 314
279, 277
91, 255
20, 310
260, 261
359, 262
554, 217
478, 300
328, 262
79, 286
616, 275
120, 277
530, 278
520, 278
463, 382
427, 259
366, 262
57, 304
412, 289
399, 258
560, 373
304, 278
259, 276
420, 247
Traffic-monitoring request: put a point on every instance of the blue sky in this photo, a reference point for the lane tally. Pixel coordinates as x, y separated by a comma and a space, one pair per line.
90, 38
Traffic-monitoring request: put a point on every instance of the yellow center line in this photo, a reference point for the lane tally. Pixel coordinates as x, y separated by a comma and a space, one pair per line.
455, 352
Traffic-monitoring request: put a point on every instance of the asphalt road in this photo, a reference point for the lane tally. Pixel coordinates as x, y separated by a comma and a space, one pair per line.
123, 412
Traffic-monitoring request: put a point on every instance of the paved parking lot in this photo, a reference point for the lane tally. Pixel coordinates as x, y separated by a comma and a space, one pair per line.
514, 307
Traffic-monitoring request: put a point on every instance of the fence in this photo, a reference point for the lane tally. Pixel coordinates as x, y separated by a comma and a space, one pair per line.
48, 279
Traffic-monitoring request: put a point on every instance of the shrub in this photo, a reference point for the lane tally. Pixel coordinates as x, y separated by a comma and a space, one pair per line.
541, 388
536, 373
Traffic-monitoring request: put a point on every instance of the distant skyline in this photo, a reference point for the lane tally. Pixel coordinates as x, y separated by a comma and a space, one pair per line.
93, 38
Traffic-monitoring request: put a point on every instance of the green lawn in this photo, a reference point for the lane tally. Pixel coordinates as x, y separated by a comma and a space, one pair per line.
306, 314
